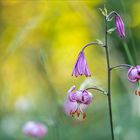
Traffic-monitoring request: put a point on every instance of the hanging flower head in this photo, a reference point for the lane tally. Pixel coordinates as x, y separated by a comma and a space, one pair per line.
35, 129
81, 67
119, 26
77, 101
134, 74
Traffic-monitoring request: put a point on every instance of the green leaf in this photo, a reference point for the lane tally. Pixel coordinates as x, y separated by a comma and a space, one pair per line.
102, 11
100, 42
110, 19
105, 10
111, 30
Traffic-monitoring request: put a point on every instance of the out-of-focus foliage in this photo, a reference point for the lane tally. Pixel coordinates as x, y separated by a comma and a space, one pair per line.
40, 41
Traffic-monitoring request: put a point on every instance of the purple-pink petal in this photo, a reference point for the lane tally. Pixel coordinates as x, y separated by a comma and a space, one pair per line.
81, 96
134, 74
71, 89
87, 97
81, 67
70, 107
120, 26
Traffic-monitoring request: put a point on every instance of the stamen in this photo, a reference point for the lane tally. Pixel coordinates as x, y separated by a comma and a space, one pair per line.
139, 93
81, 110
136, 92
72, 113
78, 113
84, 115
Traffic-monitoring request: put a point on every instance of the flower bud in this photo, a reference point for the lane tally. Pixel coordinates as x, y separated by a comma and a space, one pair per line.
120, 26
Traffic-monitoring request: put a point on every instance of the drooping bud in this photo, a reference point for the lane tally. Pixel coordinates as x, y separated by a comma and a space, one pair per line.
119, 26
81, 67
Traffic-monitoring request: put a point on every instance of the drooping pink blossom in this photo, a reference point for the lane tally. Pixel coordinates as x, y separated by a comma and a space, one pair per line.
35, 129
120, 26
81, 96
134, 74
77, 101
81, 67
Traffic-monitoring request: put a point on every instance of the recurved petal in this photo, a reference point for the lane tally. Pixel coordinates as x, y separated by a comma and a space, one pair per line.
70, 107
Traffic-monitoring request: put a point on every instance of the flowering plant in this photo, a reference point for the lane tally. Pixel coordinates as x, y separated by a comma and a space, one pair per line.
77, 101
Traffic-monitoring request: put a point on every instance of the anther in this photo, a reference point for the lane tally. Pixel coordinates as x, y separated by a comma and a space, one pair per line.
84, 115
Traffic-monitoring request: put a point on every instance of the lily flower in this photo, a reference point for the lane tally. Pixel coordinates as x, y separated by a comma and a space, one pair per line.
81, 67
77, 101
134, 74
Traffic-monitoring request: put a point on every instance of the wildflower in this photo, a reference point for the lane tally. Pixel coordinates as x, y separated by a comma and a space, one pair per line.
81, 67
35, 129
82, 96
134, 74
119, 26
77, 102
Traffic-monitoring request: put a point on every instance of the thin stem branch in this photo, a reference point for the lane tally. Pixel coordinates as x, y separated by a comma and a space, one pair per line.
111, 14
121, 66
94, 88
89, 44
109, 79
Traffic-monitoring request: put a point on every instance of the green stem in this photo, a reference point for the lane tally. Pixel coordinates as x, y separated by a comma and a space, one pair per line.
89, 44
121, 66
109, 79
94, 88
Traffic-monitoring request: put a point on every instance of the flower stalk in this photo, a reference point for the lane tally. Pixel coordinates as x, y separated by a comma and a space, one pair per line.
121, 66
100, 90
109, 79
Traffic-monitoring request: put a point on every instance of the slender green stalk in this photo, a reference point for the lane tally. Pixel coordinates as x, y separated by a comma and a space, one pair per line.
109, 79
100, 90
89, 44
121, 66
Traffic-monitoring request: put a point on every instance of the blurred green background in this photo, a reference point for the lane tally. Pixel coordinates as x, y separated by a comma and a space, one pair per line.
39, 43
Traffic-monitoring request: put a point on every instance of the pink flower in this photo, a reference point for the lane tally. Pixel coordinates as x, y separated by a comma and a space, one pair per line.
81, 67
81, 96
134, 74
77, 101
70, 107
73, 108
35, 129
119, 26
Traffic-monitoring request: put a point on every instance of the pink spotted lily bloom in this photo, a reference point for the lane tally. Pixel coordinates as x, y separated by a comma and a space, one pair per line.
35, 129
134, 74
119, 26
77, 101
81, 67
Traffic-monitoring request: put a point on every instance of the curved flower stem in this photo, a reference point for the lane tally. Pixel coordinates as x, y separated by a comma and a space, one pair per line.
111, 14
89, 44
109, 79
94, 88
121, 66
